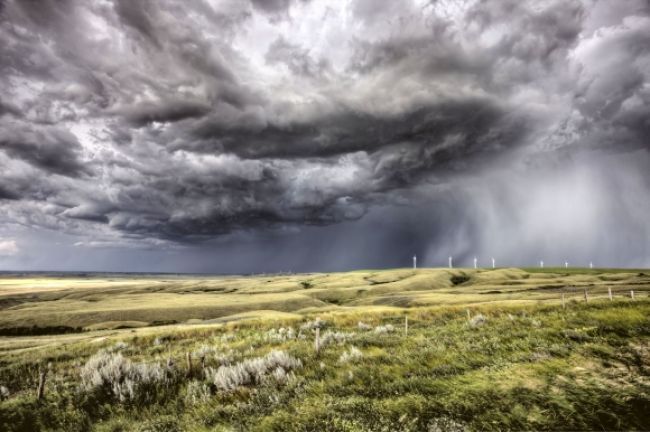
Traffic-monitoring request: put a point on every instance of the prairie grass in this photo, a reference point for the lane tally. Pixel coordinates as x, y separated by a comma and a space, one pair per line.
530, 364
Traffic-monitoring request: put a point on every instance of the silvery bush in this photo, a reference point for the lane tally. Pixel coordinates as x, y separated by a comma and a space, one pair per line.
477, 320
279, 335
351, 355
253, 371
119, 377
383, 329
363, 326
332, 337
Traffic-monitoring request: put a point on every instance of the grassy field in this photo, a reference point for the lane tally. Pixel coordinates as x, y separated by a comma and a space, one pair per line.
485, 350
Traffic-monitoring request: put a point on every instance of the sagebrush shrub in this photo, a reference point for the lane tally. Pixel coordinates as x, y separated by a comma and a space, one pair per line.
351, 355
279, 335
477, 320
4, 393
363, 326
119, 377
252, 371
331, 337
383, 329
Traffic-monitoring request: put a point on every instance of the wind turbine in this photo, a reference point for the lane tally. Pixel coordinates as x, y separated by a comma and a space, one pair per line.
415, 262
541, 264
475, 262
493, 263
451, 262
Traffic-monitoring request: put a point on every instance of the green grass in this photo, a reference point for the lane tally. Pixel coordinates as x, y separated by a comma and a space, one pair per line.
532, 365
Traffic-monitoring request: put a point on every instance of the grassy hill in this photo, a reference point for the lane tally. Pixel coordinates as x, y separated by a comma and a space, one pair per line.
484, 350
97, 302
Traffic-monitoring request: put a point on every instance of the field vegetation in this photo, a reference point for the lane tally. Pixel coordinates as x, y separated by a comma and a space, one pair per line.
395, 350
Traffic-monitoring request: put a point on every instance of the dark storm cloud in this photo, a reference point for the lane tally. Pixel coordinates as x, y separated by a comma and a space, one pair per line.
349, 131
184, 121
272, 6
48, 148
164, 111
8, 109
6, 194
137, 16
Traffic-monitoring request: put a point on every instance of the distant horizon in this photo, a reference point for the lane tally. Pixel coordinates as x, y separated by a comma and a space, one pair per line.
270, 273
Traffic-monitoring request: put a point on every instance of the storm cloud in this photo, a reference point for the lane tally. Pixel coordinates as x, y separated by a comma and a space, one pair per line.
510, 128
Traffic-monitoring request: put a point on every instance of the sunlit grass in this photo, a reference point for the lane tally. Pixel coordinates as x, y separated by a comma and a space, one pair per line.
526, 364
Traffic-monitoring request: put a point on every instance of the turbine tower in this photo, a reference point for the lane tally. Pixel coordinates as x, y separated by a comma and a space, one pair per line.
415, 262
451, 262
541, 264
591, 265
475, 262
494, 264
566, 264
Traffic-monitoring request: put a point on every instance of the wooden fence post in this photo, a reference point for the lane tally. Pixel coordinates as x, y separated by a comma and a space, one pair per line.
317, 341
609, 292
586, 296
42, 375
188, 357
632, 294
469, 315
406, 326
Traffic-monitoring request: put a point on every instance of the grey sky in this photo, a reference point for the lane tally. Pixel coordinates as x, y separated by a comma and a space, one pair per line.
235, 136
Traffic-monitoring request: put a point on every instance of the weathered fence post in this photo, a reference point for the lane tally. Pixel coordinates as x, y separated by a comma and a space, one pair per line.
609, 292
586, 296
42, 375
188, 357
317, 341
632, 294
202, 361
406, 326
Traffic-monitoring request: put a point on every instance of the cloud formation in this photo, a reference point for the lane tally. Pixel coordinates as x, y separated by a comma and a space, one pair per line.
165, 123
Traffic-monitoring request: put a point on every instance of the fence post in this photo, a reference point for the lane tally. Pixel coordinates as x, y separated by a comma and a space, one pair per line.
563, 302
632, 294
317, 341
609, 291
188, 357
406, 326
469, 315
586, 296
42, 375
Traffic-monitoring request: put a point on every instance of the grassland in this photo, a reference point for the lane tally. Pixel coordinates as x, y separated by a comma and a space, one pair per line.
485, 350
